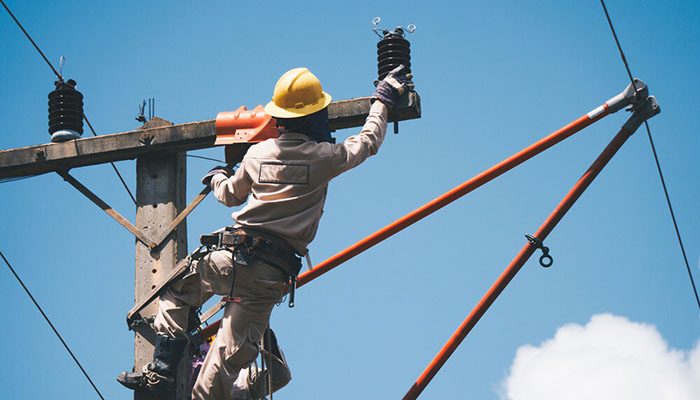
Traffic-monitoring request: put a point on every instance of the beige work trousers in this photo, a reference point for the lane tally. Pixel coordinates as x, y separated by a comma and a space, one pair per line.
259, 286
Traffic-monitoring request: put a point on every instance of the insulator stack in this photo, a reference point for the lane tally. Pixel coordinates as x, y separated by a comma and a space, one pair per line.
393, 50
65, 112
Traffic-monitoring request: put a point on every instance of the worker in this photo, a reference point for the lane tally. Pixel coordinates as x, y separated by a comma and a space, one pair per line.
284, 181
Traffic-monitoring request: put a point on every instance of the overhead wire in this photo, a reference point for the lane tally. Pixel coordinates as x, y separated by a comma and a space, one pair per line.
114, 167
51, 324
656, 158
30, 39
15, 178
60, 78
206, 158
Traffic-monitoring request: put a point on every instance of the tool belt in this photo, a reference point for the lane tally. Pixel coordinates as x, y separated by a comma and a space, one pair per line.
247, 244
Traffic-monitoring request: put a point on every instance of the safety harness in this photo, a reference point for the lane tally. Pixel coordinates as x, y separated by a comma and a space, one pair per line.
247, 245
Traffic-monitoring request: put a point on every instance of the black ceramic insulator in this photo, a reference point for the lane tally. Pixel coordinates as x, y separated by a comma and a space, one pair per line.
393, 50
65, 108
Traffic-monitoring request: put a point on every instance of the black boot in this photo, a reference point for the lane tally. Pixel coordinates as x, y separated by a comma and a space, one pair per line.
167, 355
159, 375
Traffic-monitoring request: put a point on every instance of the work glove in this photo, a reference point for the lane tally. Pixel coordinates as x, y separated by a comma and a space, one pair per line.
220, 169
396, 83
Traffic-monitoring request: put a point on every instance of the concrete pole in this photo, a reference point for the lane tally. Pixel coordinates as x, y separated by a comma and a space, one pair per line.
160, 197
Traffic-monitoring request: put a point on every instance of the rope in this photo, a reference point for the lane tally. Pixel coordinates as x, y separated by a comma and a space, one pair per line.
50, 324
656, 158
60, 78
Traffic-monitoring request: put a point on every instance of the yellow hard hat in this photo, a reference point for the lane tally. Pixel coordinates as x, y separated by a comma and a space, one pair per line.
297, 93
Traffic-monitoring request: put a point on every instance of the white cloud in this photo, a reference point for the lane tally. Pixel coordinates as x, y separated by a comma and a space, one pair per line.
609, 358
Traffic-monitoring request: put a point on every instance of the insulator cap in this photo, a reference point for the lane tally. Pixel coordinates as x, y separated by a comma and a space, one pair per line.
65, 108
393, 50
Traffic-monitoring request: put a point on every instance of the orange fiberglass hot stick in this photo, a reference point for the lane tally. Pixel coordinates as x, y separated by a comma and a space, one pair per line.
644, 110
625, 98
613, 105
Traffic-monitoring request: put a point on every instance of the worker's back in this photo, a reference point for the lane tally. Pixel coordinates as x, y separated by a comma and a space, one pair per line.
288, 178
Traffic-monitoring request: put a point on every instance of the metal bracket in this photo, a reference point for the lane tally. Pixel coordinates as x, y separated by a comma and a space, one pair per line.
181, 217
641, 112
140, 235
545, 260
106, 208
146, 138
629, 96
235, 159
141, 321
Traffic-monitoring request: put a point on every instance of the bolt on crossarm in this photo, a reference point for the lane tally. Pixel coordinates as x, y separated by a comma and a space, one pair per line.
642, 111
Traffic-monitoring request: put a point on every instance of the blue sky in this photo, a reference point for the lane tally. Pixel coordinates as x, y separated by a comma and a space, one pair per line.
494, 77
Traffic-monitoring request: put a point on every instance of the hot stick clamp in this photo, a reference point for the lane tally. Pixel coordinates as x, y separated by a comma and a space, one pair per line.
642, 109
641, 112
545, 259
635, 92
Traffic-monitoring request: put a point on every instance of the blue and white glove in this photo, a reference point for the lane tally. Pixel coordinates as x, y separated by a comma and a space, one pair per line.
206, 180
393, 86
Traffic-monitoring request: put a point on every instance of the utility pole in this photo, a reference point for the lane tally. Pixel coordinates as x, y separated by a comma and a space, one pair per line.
160, 197
160, 226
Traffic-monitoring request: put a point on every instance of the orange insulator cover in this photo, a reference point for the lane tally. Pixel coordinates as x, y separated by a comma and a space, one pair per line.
244, 126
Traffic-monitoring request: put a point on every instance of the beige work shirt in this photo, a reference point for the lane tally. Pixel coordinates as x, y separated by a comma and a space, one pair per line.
287, 179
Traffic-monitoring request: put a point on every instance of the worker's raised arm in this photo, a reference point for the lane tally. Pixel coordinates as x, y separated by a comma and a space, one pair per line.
355, 149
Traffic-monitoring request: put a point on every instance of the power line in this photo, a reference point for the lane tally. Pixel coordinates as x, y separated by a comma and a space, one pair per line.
60, 78
656, 158
206, 158
15, 178
50, 324
114, 167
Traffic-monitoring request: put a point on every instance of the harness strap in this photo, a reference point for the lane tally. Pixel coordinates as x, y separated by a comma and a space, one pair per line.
249, 242
268, 341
